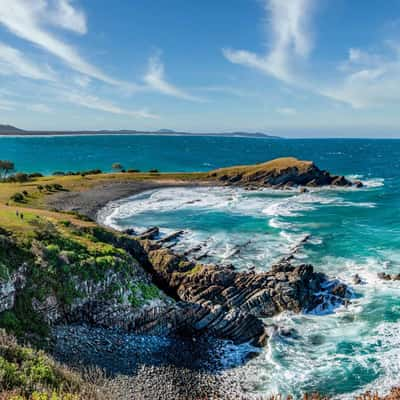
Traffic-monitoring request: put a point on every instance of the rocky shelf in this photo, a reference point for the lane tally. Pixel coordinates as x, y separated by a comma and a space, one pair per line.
280, 173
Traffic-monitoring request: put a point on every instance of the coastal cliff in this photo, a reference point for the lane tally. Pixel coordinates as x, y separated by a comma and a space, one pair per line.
280, 173
58, 267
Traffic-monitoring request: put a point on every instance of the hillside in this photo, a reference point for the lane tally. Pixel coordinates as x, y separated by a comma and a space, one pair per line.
11, 130
281, 172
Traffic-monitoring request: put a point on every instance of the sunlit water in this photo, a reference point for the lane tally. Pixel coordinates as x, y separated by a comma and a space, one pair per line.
351, 231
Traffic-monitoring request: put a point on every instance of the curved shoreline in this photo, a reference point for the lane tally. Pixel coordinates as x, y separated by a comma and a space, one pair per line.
91, 201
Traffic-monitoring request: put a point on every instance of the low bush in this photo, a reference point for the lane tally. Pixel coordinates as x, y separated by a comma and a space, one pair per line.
18, 197
35, 175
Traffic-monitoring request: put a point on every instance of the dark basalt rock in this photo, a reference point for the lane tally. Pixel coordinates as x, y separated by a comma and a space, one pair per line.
291, 176
228, 304
388, 277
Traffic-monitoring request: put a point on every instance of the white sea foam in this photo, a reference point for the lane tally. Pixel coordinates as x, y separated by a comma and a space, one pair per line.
369, 343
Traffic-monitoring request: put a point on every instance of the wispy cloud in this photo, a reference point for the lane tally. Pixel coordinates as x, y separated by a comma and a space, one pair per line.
27, 19
6, 105
41, 108
156, 80
232, 91
370, 80
286, 111
288, 25
95, 103
13, 62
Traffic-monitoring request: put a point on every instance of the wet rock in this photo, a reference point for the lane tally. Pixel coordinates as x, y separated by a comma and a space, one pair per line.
388, 277
233, 302
357, 279
130, 231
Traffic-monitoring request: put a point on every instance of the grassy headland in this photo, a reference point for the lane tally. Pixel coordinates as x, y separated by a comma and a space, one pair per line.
47, 248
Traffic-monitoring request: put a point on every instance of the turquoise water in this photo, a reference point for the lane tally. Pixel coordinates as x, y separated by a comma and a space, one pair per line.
351, 231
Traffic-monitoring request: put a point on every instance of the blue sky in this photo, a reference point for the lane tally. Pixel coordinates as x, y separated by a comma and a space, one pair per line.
299, 68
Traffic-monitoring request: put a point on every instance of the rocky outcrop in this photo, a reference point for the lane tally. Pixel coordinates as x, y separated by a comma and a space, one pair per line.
110, 282
9, 287
280, 173
229, 304
388, 277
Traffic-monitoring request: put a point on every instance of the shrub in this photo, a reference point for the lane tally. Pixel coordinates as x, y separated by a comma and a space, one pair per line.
117, 166
65, 223
154, 171
133, 170
58, 186
20, 177
25, 193
17, 197
40, 187
6, 167
35, 175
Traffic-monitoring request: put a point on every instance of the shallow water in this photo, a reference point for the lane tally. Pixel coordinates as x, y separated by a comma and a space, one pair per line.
350, 231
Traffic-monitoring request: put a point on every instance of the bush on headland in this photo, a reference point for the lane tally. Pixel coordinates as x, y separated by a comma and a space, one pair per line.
6, 167
117, 166
27, 373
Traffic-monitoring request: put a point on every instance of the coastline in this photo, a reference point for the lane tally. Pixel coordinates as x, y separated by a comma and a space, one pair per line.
91, 201
86, 195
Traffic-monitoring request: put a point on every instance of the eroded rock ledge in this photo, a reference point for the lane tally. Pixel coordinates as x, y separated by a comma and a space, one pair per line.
103, 278
280, 173
228, 304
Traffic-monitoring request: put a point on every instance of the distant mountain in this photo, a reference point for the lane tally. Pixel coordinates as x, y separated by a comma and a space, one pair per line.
9, 129
253, 134
165, 131
12, 130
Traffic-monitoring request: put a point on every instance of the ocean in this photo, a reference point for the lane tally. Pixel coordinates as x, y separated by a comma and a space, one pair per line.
351, 231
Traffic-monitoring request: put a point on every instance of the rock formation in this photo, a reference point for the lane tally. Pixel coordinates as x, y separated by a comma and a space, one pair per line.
109, 284
280, 173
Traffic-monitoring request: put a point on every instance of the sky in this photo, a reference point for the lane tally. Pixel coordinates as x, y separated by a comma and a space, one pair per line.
297, 68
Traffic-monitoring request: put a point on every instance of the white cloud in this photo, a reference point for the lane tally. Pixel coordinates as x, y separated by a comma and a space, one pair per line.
156, 80
96, 103
13, 62
286, 110
42, 108
371, 80
27, 19
6, 105
81, 80
65, 15
291, 40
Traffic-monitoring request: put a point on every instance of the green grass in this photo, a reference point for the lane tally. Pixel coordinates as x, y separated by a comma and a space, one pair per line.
277, 165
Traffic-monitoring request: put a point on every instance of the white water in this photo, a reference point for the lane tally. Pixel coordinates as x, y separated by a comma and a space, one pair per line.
343, 353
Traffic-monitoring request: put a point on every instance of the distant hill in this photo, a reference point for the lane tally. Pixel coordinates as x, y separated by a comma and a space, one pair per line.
9, 129
12, 130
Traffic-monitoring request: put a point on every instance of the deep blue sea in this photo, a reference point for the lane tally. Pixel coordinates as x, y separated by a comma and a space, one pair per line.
352, 231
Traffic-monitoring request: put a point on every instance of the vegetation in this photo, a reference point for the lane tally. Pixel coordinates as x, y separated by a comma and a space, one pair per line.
276, 165
58, 255
117, 167
59, 249
6, 167
27, 373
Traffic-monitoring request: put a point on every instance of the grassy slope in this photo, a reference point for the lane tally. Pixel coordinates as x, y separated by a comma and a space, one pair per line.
277, 165
26, 373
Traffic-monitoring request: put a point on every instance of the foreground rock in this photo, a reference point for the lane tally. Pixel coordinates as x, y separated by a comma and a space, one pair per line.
388, 277
72, 274
280, 173
228, 304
